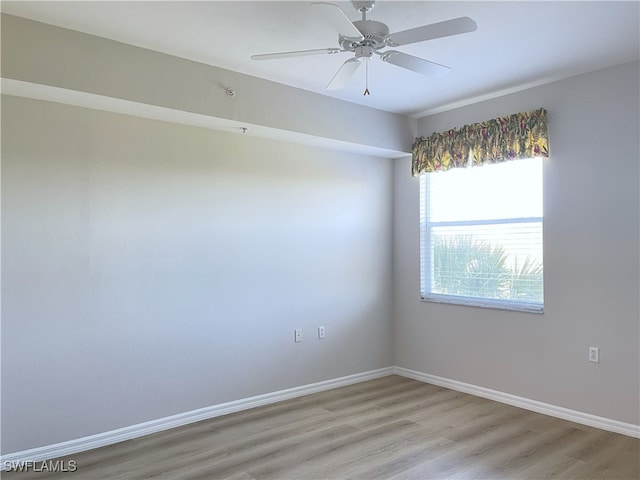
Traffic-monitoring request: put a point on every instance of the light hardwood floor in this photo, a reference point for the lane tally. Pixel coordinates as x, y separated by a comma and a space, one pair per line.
389, 428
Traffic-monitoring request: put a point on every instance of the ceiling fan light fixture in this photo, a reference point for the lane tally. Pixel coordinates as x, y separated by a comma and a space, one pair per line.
364, 51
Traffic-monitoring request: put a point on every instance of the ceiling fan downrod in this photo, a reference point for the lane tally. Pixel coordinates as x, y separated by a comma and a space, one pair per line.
364, 7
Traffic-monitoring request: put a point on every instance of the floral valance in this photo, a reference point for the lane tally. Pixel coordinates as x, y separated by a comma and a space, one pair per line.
522, 135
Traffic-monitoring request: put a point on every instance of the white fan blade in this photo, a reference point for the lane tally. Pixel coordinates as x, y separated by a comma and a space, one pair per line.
447, 28
415, 64
344, 74
337, 19
298, 53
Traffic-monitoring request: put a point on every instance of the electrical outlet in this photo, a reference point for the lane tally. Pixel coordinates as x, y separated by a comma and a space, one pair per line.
594, 354
297, 335
320, 333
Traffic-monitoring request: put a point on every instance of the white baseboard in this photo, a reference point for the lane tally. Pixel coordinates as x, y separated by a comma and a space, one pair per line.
603, 423
70, 447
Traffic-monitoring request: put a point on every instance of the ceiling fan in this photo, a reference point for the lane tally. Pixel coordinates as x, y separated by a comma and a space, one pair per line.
366, 37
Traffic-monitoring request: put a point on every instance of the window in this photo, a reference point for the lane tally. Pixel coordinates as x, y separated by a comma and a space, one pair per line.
481, 236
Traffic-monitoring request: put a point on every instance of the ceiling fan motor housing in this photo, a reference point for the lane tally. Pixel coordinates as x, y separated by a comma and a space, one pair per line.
374, 34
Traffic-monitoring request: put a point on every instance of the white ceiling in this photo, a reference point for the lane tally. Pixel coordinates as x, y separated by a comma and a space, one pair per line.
517, 44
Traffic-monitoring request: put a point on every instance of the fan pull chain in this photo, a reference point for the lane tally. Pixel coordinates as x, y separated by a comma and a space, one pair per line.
366, 78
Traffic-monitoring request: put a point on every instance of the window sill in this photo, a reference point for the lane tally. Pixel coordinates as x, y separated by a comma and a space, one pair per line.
484, 303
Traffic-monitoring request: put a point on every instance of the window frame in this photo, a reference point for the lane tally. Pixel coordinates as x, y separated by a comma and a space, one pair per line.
426, 254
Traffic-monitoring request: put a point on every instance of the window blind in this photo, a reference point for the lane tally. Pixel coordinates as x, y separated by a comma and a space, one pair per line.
481, 235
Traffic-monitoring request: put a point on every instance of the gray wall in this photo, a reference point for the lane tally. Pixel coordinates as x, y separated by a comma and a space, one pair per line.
46, 55
591, 261
149, 269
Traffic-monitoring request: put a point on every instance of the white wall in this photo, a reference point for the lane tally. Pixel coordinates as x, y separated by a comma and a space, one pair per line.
591, 261
149, 269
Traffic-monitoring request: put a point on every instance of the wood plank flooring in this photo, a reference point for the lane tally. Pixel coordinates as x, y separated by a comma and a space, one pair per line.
389, 428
